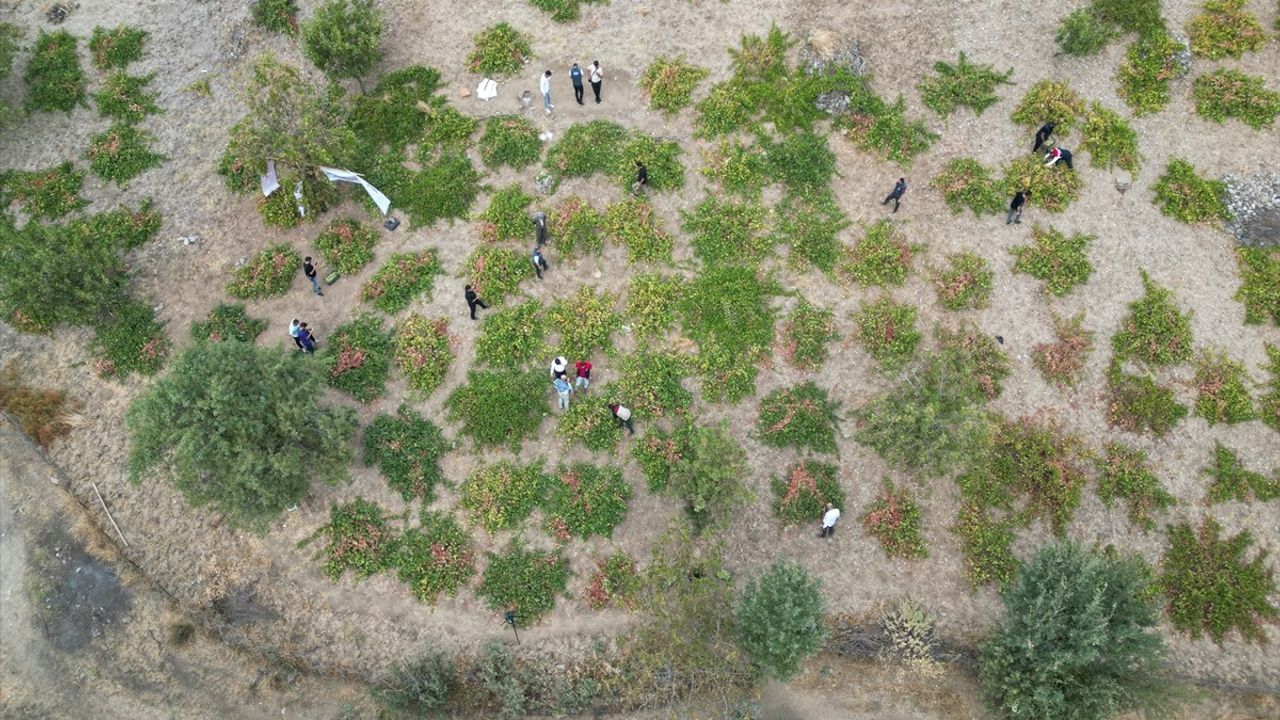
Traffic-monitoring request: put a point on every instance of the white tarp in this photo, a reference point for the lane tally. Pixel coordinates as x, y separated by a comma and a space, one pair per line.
269, 182
487, 89
340, 175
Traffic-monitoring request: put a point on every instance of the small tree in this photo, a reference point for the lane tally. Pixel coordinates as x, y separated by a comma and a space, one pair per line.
1076, 640
342, 39
239, 428
416, 687
708, 478
780, 619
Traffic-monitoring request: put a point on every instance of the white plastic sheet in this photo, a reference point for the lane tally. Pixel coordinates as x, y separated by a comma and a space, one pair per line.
269, 181
487, 89
340, 175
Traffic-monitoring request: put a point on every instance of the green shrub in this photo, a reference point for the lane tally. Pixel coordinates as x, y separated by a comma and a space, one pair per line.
882, 257
965, 182
407, 450
424, 350
1188, 197
658, 452
124, 97
281, 208
727, 231
500, 51
976, 354
1232, 481
1138, 404
444, 189
415, 687
575, 226
632, 224
500, 495
116, 48
882, 128
358, 360
1210, 586
1155, 332
615, 583
121, 154
391, 113
512, 336
276, 15
1269, 400
728, 107
562, 10
1082, 33
965, 284
669, 83
228, 322
802, 161
1125, 474
651, 304
507, 217
780, 619
1061, 362
725, 310
1097, 654
800, 417
894, 519
806, 334
10, 43
1052, 188
509, 140
357, 538
738, 169
590, 423
401, 279
888, 332
801, 496
1050, 100
495, 273
809, 224
267, 275
584, 500
347, 245
1061, 261
341, 38
129, 340
1150, 64
1222, 390
45, 194
987, 546
707, 476
661, 157
524, 581
962, 84
446, 130
239, 428
1224, 29
584, 320
1259, 285
499, 408
1109, 140
586, 149
1223, 94
650, 382
436, 558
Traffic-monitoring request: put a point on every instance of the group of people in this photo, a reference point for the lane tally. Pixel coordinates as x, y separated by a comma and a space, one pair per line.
303, 336
595, 76
582, 380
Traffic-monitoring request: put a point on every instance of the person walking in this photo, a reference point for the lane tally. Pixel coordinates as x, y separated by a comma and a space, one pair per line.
309, 270
558, 367
540, 228
582, 369
539, 262
473, 300
829, 519
294, 326
575, 76
1015, 207
642, 179
623, 415
307, 339
899, 189
597, 78
545, 86
1042, 136
563, 389
1057, 153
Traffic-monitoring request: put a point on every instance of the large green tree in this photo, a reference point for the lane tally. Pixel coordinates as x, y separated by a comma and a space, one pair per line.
780, 619
239, 428
342, 38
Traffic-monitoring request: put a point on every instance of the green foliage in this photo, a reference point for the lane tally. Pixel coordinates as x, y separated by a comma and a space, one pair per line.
651, 304
1061, 362
402, 279
1052, 188
500, 495
632, 223
347, 245
1232, 481
976, 355
509, 140
267, 275
575, 226
499, 408
228, 322
280, 209
658, 451
1050, 100
1188, 197
50, 193
802, 161
801, 496
586, 149
727, 108
1060, 260
727, 231
615, 584
275, 15
882, 257
894, 519
1109, 140
1155, 332
987, 546
128, 340
1223, 94
584, 500
808, 222
424, 350
1150, 64
1138, 404
1083, 33
357, 539
965, 182
1078, 639
1222, 390
965, 284
391, 114
524, 581
962, 84
41, 414
436, 558
800, 417
415, 687
882, 128
446, 129
650, 382
341, 38
1125, 474
707, 475
669, 83
806, 334
53, 77
1137, 16
591, 424
407, 449
495, 273
585, 320
1259, 285
562, 10
739, 169
1210, 586
661, 157
780, 619
358, 359
123, 97
1269, 400
888, 332
116, 48
444, 189
1224, 29
507, 217
512, 336
725, 310
500, 51
239, 428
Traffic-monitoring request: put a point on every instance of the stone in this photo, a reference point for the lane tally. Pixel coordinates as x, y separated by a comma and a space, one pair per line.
464, 92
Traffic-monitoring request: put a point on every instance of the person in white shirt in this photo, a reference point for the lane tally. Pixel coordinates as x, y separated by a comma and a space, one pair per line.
596, 77
545, 86
623, 415
829, 519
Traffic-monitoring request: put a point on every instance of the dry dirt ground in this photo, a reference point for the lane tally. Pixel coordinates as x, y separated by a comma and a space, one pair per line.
360, 627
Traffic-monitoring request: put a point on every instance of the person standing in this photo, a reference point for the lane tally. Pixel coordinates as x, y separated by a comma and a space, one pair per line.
539, 262
1042, 136
1015, 207
307, 339
294, 326
642, 179
473, 300
558, 367
623, 415
597, 78
1057, 153
540, 228
309, 270
899, 189
829, 519
563, 389
582, 369
575, 76
545, 86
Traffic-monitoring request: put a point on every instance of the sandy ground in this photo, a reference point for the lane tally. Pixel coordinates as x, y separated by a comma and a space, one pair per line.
361, 627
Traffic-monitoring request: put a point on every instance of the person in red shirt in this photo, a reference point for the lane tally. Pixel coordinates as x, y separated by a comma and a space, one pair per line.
582, 369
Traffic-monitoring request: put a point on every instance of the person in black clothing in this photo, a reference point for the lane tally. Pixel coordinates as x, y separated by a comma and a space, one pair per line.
1042, 136
1015, 207
540, 227
899, 189
310, 271
473, 300
575, 74
539, 262
642, 178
